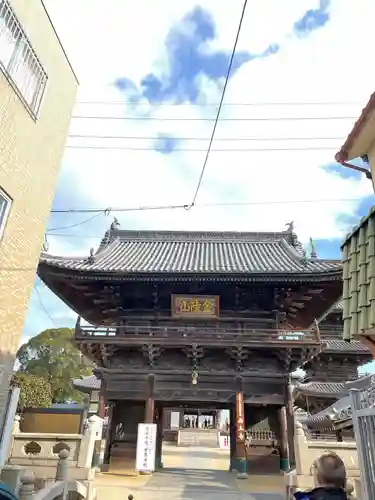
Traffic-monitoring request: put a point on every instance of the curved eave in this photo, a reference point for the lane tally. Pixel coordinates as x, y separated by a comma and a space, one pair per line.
52, 270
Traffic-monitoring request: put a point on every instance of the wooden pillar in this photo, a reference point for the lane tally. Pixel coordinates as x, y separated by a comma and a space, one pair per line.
283, 439
150, 401
241, 459
159, 438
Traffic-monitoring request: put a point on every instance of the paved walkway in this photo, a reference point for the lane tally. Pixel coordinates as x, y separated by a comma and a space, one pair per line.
190, 473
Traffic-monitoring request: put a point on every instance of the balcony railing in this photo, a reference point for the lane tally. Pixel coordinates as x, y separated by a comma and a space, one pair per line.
206, 333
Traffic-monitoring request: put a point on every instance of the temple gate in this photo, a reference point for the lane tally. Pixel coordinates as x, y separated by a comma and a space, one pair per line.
197, 320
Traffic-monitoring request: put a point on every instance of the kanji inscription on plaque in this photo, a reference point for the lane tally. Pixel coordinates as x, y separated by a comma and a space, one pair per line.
195, 306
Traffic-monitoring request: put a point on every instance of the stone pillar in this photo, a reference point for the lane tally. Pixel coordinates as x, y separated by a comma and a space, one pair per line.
62, 468
167, 418
290, 423
109, 438
27, 488
159, 438
303, 464
218, 419
241, 459
339, 436
93, 433
182, 418
101, 405
283, 439
214, 420
232, 439
150, 401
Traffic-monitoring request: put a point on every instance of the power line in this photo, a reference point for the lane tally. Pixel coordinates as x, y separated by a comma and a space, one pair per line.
108, 209
164, 138
203, 119
221, 150
77, 224
201, 205
43, 307
226, 104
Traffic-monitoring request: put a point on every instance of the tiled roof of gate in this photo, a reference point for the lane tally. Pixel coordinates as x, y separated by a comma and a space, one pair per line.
87, 384
321, 388
192, 252
343, 345
334, 388
341, 407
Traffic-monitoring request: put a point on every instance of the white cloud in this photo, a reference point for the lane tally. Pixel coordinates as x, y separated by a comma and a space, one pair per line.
123, 39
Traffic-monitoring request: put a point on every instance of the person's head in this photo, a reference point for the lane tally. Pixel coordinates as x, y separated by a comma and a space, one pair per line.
330, 471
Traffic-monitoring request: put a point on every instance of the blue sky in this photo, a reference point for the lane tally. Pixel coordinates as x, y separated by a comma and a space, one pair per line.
164, 63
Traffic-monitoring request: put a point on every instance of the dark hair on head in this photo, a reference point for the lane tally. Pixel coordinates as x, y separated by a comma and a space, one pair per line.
330, 470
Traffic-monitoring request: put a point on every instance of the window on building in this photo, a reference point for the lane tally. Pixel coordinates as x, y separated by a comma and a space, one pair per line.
18, 60
5, 204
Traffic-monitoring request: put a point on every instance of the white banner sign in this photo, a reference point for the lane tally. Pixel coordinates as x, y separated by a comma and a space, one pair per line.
224, 442
146, 448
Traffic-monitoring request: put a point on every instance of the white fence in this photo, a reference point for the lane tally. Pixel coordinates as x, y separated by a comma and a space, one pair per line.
363, 415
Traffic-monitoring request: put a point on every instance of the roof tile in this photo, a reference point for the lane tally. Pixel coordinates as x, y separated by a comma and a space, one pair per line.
342, 406
359, 278
91, 382
322, 388
343, 345
196, 252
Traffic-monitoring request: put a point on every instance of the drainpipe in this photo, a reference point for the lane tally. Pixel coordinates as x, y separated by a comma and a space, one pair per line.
354, 167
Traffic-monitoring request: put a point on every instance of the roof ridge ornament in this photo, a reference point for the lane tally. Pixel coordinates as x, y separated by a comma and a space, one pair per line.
290, 227
91, 258
293, 239
313, 254
114, 225
107, 236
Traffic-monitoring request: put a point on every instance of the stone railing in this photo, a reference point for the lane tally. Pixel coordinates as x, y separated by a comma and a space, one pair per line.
307, 451
60, 489
39, 453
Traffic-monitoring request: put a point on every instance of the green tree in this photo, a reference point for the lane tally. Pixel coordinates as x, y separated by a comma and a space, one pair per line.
53, 356
36, 392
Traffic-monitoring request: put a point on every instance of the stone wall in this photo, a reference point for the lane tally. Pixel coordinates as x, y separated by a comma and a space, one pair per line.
307, 451
39, 453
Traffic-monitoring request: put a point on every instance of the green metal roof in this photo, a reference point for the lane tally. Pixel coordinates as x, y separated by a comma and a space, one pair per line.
358, 254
